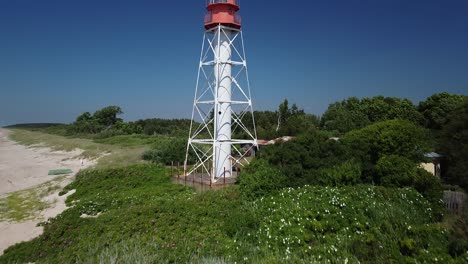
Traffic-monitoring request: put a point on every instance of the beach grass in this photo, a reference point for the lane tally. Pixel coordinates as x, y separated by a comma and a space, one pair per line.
26, 204
110, 152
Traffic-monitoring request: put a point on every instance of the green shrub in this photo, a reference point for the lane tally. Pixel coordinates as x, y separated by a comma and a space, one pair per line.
260, 179
431, 188
361, 223
347, 173
395, 171
302, 158
458, 240
394, 137
407, 246
365, 249
170, 151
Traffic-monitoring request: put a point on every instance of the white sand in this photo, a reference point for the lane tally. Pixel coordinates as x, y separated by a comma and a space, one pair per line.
22, 168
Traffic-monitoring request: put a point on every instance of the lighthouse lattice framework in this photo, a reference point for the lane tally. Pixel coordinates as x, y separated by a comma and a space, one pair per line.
222, 132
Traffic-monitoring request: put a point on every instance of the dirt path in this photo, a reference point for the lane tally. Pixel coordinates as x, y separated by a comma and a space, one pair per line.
23, 168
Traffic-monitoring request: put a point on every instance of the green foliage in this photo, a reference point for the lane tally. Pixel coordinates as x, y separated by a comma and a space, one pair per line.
169, 151
347, 173
286, 121
359, 223
453, 145
293, 121
381, 108
393, 137
23, 205
134, 140
407, 247
109, 154
265, 122
86, 116
458, 239
344, 116
395, 171
302, 158
104, 123
431, 188
438, 107
390, 152
142, 217
170, 127
107, 116
354, 113
139, 207
33, 126
50, 128
260, 179
120, 128
315, 159
102, 119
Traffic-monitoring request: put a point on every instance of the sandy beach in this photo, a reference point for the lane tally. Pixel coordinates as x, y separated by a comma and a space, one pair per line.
22, 168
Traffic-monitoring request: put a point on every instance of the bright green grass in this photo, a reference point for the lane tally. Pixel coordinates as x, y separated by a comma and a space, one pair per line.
145, 218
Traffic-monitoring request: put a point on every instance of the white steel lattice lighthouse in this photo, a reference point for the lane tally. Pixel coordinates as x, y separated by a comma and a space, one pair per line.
222, 133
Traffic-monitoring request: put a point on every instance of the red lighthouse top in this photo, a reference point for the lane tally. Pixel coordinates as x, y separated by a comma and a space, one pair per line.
222, 12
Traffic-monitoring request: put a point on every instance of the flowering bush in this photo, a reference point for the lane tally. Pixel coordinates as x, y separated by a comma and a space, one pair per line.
260, 179
361, 223
141, 217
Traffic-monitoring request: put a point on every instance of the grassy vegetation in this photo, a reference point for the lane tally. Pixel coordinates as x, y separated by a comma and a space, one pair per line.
25, 204
310, 200
145, 218
134, 140
56, 142
113, 151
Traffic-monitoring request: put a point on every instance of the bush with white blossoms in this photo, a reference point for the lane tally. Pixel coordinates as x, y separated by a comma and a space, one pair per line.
360, 223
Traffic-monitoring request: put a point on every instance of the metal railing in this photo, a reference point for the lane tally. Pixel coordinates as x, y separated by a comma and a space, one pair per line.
210, 2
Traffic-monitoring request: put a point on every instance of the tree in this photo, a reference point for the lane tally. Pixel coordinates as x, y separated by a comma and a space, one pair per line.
354, 113
265, 123
293, 121
381, 108
344, 116
86, 116
302, 158
453, 145
283, 113
100, 120
438, 107
107, 116
393, 137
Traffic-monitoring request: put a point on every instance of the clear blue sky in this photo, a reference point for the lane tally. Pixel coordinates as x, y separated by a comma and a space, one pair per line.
61, 58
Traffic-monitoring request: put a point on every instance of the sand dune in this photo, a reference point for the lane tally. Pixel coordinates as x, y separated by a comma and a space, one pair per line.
22, 168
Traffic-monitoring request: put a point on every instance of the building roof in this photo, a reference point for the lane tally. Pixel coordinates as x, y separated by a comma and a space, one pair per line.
432, 155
